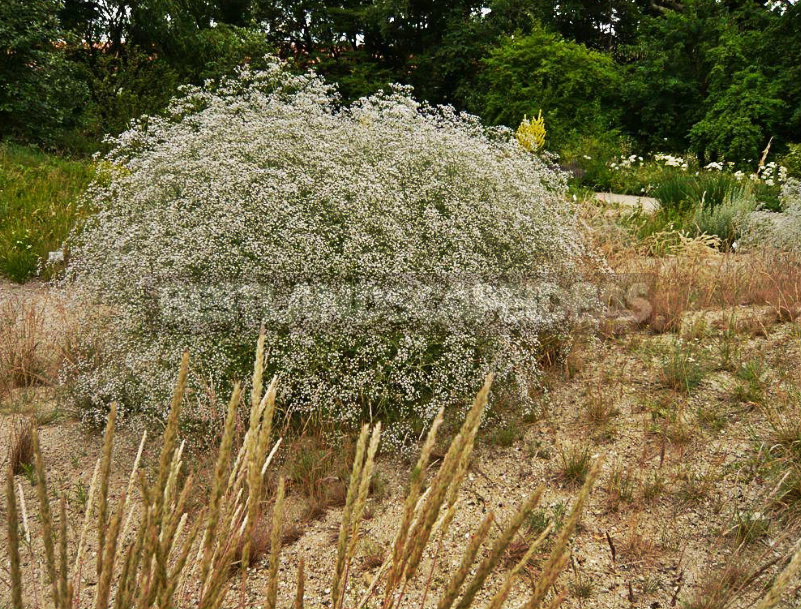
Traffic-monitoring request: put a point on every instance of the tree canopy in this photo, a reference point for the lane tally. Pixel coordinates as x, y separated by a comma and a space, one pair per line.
719, 77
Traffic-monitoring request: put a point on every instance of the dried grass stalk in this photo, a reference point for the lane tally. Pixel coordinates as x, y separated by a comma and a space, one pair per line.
217, 486
773, 596
559, 554
13, 543
503, 593
63, 593
105, 472
498, 548
47, 519
415, 484
275, 547
468, 558
300, 585
344, 529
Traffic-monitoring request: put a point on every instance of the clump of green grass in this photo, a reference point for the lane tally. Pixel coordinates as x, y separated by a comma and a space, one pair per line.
668, 419
506, 434
681, 368
621, 486
728, 349
39, 205
712, 417
652, 487
575, 464
711, 203
539, 520
600, 410
749, 526
752, 380
694, 486
581, 588
311, 467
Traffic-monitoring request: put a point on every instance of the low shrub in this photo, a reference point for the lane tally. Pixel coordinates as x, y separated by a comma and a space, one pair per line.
394, 252
588, 158
725, 220
780, 231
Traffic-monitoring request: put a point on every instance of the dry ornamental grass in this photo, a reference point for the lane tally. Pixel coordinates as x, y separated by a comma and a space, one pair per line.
154, 555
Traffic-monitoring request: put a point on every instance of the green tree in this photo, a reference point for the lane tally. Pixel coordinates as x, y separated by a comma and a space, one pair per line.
597, 24
575, 87
720, 77
41, 94
137, 52
741, 120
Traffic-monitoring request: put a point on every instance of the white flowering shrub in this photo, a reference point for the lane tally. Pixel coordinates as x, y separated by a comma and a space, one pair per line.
394, 252
777, 230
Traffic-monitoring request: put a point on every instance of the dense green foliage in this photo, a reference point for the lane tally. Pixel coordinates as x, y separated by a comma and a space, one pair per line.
38, 206
41, 95
572, 85
718, 77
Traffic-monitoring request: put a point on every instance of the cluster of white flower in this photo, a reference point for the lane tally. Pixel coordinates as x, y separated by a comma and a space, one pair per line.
670, 160
626, 161
772, 173
394, 252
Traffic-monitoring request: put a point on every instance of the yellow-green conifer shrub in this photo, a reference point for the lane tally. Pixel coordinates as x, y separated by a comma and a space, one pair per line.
531, 133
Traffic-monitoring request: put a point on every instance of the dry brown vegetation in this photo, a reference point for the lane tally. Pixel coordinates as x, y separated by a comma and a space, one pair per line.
20, 444
37, 329
152, 555
670, 275
24, 360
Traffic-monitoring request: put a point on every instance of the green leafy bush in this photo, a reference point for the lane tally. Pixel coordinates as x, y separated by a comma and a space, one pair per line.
42, 93
792, 161
589, 159
738, 124
572, 85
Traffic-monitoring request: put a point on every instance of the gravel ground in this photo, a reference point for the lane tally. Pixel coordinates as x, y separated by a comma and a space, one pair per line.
633, 553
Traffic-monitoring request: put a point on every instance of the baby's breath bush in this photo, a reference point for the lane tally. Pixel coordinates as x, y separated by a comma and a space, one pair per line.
780, 231
394, 252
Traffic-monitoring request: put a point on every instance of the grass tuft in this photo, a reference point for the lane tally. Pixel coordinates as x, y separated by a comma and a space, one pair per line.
20, 448
681, 369
575, 464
